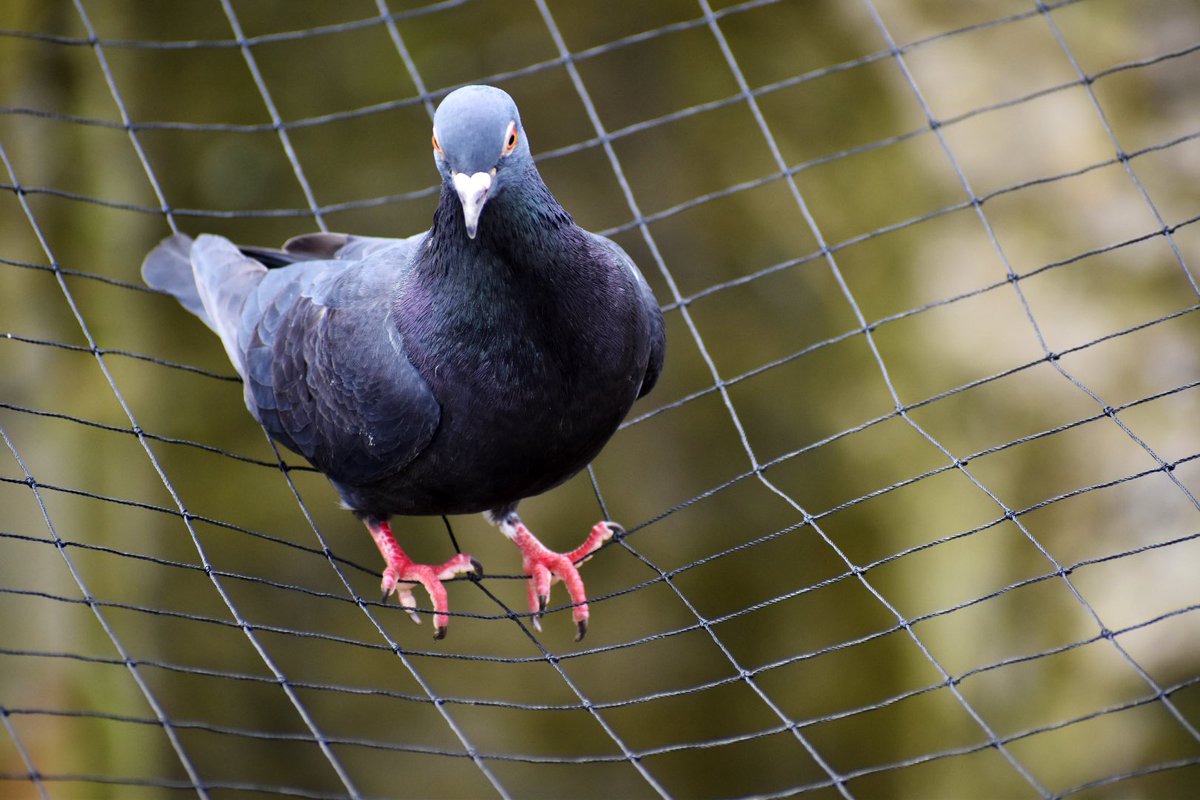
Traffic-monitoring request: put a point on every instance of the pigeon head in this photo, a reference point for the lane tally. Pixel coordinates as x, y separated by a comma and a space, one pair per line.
479, 146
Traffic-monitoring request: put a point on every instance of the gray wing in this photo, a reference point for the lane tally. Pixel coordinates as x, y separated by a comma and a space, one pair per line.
346, 247
658, 333
324, 365
327, 247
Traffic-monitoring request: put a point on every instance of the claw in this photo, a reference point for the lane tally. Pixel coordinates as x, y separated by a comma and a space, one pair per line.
582, 625
403, 591
543, 600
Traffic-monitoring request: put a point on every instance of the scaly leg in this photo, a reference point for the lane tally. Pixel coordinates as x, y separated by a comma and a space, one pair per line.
545, 567
402, 575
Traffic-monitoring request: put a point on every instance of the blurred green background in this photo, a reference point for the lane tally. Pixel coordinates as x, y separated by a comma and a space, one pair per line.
1022, 623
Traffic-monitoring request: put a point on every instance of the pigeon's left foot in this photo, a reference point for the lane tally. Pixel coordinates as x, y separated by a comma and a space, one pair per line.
545, 567
402, 575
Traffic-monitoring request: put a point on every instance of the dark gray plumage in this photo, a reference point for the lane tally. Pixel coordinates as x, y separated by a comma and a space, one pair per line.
459, 370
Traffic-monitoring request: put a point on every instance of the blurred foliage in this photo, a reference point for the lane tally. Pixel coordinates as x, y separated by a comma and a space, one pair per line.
750, 586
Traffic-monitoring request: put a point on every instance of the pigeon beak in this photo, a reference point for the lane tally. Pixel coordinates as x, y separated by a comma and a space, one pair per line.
473, 192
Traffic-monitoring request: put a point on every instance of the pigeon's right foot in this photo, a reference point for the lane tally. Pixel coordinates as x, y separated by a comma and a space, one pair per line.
402, 575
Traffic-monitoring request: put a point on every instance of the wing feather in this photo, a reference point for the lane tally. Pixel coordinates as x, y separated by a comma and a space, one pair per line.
325, 367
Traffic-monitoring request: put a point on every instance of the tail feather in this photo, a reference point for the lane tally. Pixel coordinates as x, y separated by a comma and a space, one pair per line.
225, 277
168, 268
209, 277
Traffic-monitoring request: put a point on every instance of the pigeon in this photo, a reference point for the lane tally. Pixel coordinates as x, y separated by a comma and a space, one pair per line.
456, 371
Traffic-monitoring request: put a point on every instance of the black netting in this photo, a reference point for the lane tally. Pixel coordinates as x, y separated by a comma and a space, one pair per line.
912, 512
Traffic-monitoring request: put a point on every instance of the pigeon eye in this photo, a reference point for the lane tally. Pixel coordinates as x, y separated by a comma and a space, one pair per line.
437, 148
510, 141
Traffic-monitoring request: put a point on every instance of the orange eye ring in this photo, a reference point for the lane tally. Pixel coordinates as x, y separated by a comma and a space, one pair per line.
437, 148
510, 140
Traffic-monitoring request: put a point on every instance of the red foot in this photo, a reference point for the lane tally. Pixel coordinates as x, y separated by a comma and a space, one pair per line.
545, 567
402, 575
